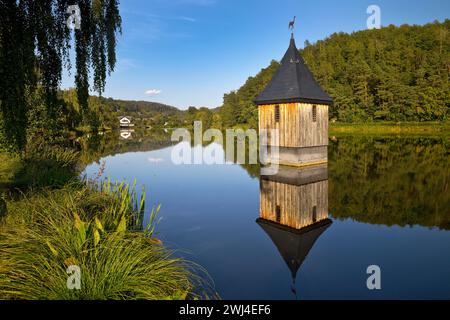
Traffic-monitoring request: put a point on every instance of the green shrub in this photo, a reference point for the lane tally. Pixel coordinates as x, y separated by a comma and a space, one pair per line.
47, 166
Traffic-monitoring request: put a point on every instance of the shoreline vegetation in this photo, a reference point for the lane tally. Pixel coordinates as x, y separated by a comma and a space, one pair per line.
51, 220
391, 128
383, 128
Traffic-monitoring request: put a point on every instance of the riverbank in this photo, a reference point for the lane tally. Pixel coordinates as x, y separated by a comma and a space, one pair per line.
389, 128
383, 128
90, 229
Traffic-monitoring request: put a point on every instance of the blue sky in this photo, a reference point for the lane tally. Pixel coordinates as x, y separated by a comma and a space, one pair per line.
191, 52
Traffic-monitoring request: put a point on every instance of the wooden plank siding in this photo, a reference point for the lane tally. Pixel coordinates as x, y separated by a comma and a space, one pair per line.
296, 126
296, 203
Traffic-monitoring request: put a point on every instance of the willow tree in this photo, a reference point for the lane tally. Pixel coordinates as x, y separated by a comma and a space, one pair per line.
35, 46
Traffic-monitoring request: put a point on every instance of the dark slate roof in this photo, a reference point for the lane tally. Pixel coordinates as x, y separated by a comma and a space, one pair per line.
293, 82
294, 245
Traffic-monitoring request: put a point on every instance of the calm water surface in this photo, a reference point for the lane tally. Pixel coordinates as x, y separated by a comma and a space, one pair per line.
381, 201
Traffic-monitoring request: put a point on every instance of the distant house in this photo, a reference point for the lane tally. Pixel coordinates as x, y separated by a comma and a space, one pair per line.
125, 122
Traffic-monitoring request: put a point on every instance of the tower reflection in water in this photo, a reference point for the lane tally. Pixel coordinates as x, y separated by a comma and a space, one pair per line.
294, 212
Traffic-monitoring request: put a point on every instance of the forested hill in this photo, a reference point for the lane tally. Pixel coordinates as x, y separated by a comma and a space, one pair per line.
103, 113
392, 74
144, 107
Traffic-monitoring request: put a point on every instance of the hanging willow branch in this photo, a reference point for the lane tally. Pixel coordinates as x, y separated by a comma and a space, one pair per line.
34, 47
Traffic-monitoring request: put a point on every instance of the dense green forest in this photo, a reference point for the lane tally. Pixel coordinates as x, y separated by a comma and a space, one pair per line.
391, 74
142, 107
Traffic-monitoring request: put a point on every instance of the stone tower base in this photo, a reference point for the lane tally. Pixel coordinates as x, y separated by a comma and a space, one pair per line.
300, 157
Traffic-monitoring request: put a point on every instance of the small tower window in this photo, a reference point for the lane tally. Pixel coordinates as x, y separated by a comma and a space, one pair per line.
278, 214
277, 113
314, 113
314, 214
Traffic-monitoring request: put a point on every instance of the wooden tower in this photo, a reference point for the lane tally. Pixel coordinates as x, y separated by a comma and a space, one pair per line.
294, 211
295, 104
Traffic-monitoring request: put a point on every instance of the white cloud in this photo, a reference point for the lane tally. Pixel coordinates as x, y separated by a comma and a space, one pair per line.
153, 92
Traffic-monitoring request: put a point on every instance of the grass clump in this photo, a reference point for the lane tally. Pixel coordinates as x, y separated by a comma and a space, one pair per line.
52, 222
47, 166
42, 166
45, 234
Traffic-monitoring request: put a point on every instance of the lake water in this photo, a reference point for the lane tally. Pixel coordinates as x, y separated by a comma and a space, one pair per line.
303, 234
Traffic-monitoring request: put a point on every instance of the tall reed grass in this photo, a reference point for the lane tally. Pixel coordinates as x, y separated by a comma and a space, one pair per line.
46, 166
98, 230
58, 220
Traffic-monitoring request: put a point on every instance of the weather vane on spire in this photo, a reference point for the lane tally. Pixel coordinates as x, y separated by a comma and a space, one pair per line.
292, 24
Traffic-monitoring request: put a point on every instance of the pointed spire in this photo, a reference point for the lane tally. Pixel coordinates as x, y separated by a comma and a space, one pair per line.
294, 245
293, 82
